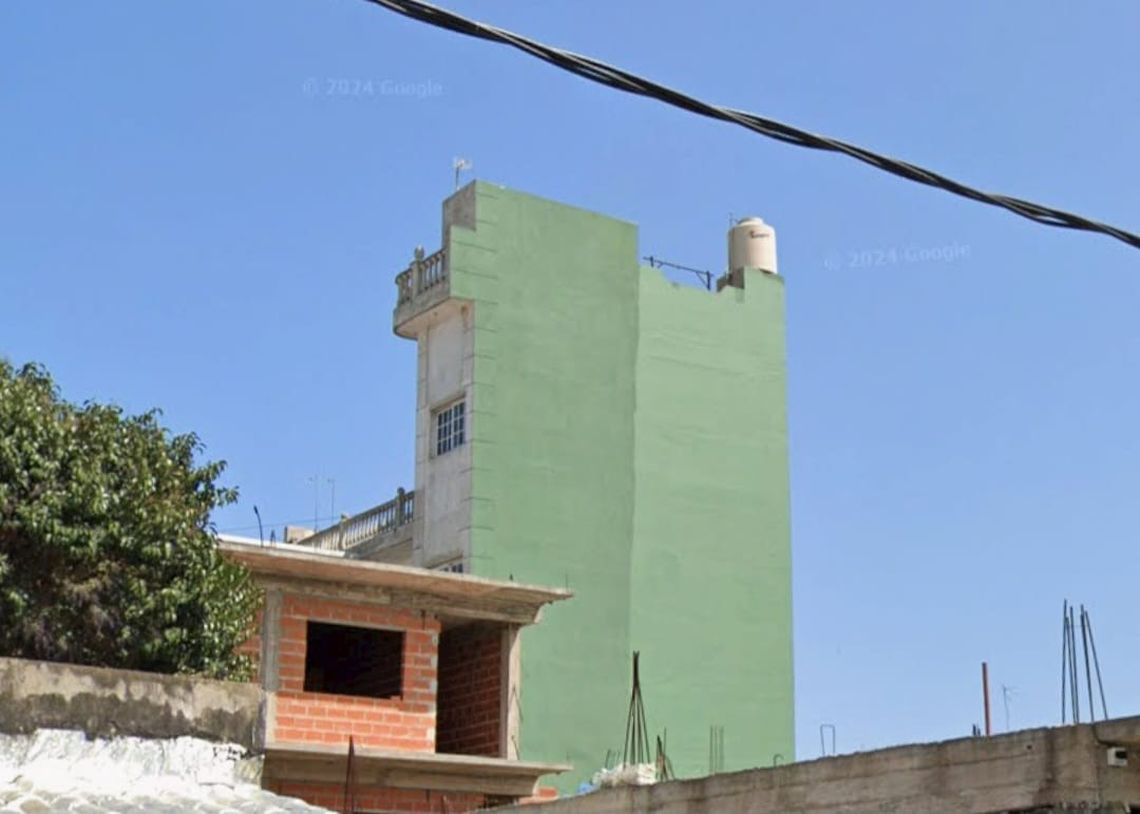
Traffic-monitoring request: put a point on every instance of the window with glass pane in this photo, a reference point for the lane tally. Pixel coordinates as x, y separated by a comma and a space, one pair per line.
450, 429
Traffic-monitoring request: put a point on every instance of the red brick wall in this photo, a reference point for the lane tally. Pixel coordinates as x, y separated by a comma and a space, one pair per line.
383, 799
252, 648
406, 722
470, 690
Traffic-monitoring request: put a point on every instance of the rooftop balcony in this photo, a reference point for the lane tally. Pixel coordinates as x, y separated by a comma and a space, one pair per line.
382, 533
420, 287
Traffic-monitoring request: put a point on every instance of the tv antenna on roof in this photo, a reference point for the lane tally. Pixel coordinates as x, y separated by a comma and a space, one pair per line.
1007, 693
460, 165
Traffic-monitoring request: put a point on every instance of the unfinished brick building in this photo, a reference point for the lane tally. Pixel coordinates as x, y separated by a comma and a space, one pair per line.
419, 668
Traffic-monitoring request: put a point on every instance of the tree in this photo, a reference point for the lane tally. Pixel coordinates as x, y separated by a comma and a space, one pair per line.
107, 554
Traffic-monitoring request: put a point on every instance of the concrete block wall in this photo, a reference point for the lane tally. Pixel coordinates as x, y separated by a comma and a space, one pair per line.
406, 722
107, 703
470, 691
1061, 769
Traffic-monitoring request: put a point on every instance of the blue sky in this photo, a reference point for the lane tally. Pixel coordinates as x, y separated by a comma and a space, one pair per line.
203, 207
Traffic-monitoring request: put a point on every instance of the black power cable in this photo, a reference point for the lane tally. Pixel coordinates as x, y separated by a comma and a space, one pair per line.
619, 79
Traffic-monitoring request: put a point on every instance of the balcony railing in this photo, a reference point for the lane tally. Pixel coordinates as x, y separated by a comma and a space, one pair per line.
361, 528
424, 274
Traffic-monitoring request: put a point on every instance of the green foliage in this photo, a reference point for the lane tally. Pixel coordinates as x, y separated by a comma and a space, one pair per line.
107, 556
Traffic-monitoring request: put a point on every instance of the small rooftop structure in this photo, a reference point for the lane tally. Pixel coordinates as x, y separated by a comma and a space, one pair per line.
403, 679
378, 688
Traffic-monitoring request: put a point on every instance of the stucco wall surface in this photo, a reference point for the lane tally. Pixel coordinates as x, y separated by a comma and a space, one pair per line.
555, 338
628, 440
103, 702
710, 591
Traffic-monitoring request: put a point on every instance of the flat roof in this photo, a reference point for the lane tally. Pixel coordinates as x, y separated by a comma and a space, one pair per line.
457, 595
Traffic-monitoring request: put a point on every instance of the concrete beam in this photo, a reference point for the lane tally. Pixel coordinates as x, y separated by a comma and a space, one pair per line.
411, 770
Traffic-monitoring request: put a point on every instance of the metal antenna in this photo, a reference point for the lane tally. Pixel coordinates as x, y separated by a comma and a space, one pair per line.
332, 499
316, 481
459, 165
260, 530
1006, 694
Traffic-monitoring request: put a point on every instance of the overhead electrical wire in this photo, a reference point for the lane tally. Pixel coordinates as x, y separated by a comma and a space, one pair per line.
614, 77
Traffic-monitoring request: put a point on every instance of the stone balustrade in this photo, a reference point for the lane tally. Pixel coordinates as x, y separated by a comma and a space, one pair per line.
421, 286
424, 274
387, 518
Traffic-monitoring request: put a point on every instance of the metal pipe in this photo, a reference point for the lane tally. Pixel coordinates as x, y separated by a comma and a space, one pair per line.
986, 695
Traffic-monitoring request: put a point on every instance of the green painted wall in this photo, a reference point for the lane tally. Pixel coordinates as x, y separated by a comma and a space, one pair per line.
628, 441
710, 580
552, 434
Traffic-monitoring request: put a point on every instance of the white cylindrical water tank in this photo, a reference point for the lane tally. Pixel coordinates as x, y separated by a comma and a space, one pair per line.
752, 244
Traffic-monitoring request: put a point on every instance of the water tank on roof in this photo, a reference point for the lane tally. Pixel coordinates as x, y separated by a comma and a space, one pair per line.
752, 244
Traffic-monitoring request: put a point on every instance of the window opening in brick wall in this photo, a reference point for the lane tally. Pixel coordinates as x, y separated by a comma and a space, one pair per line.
361, 661
450, 427
469, 698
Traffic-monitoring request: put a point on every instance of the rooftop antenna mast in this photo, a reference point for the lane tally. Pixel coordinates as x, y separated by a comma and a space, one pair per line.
460, 165
316, 481
1007, 693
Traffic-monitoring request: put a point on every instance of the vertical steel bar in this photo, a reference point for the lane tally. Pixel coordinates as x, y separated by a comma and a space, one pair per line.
1096, 663
1064, 660
986, 696
1074, 676
1088, 666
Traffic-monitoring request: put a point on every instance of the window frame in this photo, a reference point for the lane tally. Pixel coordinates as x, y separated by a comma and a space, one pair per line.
456, 426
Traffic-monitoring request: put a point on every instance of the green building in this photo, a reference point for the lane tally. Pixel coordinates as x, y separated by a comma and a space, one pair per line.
584, 422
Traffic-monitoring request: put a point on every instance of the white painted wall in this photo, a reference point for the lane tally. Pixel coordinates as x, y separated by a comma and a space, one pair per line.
443, 483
